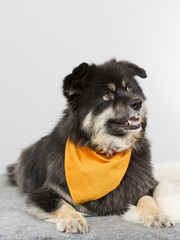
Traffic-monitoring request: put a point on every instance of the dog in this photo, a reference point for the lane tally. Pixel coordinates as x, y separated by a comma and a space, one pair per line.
105, 114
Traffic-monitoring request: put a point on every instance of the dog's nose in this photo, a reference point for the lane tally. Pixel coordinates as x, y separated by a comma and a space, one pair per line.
136, 104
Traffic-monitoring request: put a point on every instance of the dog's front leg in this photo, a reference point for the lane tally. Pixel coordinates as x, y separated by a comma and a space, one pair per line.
66, 218
69, 220
148, 213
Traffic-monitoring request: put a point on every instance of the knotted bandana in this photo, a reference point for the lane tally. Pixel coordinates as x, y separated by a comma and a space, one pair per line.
90, 175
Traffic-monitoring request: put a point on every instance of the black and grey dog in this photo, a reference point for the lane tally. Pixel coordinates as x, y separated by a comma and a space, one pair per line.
106, 111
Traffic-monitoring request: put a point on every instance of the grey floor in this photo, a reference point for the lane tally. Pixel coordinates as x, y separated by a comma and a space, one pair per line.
15, 223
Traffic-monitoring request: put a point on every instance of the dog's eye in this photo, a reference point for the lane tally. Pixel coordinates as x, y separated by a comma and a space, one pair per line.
107, 96
129, 89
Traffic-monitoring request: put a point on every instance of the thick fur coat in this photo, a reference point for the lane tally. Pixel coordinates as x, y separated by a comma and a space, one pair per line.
105, 111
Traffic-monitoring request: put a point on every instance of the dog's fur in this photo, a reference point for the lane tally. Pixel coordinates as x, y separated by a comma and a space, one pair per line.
94, 120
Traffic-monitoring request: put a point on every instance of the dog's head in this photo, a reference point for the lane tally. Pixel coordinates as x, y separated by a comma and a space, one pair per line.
106, 105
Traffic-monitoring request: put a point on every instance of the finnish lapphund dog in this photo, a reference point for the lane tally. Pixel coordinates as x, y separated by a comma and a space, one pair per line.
105, 112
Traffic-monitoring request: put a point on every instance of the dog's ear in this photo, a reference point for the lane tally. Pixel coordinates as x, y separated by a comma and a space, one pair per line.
74, 83
133, 69
137, 70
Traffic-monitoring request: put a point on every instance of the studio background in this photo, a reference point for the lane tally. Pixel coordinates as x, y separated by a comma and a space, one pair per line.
42, 41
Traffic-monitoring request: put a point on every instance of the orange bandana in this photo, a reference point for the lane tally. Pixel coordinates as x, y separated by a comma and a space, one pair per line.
91, 176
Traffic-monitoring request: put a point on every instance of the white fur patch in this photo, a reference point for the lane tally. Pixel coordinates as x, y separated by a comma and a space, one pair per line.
132, 215
107, 142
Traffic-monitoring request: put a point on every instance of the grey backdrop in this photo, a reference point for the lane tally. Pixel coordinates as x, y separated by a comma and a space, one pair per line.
41, 41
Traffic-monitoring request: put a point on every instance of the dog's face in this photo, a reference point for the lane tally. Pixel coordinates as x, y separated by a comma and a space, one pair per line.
108, 104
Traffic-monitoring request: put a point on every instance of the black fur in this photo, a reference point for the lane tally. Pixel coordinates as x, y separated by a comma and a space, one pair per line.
45, 198
42, 164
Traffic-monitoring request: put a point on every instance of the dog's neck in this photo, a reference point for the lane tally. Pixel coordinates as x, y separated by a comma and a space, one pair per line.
107, 154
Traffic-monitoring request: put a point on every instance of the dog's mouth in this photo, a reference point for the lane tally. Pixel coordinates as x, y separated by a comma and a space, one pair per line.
116, 125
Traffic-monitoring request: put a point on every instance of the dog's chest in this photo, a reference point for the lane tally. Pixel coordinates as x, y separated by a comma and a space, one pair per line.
134, 185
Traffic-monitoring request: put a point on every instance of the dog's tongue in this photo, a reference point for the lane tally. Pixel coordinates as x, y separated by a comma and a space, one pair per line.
133, 121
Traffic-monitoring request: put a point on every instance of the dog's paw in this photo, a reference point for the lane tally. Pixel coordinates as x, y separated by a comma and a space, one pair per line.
72, 225
156, 220
150, 214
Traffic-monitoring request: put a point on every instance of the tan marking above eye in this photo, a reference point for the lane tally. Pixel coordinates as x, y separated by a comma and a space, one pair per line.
112, 87
124, 83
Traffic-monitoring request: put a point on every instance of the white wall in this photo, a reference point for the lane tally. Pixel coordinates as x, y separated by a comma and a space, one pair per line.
41, 41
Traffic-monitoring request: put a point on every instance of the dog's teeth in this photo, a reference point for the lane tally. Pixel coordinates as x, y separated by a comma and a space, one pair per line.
130, 123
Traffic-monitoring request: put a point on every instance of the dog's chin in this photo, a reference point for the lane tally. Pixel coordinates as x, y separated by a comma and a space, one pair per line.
120, 127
